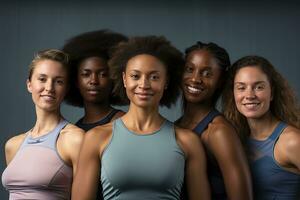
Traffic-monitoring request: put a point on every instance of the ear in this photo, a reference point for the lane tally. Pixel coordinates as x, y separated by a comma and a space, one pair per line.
28, 83
124, 79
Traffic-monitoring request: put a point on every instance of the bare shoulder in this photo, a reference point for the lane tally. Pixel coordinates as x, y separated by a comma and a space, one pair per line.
72, 134
187, 139
290, 138
12, 145
221, 130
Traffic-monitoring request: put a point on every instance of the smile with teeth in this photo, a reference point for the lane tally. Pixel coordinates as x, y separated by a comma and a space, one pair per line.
251, 105
194, 90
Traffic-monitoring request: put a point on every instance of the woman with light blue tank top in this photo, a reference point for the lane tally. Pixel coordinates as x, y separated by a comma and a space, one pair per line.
42, 161
142, 155
205, 70
262, 106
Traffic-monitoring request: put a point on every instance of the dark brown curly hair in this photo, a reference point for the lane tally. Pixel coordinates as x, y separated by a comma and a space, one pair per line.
157, 46
90, 44
284, 105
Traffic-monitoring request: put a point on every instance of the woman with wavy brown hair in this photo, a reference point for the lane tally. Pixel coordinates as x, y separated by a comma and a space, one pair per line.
263, 108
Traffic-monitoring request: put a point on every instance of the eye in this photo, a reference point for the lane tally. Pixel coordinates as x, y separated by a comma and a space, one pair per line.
188, 69
103, 74
42, 79
134, 76
60, 81
206, 73
259, 87
239, 87
154, 77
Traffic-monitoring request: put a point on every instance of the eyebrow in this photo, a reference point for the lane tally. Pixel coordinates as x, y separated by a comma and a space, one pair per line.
54, 77
255, 83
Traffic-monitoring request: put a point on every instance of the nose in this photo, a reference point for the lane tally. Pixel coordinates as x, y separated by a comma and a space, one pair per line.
49, 86
196, 77
94, 79
250, 94
144, 83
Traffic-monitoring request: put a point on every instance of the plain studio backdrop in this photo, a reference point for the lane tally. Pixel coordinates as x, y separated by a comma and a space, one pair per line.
267, 28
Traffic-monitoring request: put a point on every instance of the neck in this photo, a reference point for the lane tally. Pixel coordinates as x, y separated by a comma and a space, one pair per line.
194, 113
45, 121
263, 127
95, 111
143, 120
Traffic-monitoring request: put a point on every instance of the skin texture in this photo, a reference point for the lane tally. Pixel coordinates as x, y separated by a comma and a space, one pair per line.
200, 80
253, 94
95, 86
145, 79
48, 88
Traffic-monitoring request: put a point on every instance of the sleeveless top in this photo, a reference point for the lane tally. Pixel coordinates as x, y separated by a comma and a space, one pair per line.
136, 166
105, 120
214, 172
270, 180
37, 171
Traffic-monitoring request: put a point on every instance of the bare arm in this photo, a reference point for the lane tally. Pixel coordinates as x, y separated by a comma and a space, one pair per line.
225, 145
86, 180
196, 175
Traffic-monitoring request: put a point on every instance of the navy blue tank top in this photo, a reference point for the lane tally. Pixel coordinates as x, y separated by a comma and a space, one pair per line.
105, 120
214, 173
270, 180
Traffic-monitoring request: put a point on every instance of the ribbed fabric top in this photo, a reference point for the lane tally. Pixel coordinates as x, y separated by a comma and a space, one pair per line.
270, 180
37, 171
136, 166
214, 173
104, 120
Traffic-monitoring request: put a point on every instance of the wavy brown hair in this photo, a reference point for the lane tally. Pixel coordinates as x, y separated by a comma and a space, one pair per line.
284, 105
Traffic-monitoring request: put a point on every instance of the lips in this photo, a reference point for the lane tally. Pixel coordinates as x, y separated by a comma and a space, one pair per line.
48, 97
143, 95
93, 91
194, 89
251, 105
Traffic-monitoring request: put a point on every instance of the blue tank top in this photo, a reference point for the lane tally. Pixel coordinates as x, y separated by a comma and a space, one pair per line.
136, 166
105, 120
37, 171
270, 180
214, 173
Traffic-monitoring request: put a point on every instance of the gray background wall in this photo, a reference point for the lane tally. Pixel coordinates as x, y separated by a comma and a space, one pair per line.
266, 28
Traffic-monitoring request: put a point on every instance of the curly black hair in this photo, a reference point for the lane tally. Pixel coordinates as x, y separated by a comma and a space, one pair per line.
90, 44
157, 46
222, 58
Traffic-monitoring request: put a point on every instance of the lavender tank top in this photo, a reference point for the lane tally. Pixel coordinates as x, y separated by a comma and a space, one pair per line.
37, 171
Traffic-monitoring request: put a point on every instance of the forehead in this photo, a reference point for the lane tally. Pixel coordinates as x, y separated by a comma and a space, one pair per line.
49, 68
93, 63
250, 74
201, 57
145, 63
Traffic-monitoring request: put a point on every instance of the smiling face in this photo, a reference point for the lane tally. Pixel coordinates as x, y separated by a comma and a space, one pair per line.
93, 80
252, 92
201, 76
48, 84
145, 80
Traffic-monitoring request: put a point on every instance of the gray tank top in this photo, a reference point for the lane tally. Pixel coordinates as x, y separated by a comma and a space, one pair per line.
136, 166
37, 171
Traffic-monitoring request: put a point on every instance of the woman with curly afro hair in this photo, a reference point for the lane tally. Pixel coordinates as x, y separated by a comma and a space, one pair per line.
264, 109
91, 86
142, 155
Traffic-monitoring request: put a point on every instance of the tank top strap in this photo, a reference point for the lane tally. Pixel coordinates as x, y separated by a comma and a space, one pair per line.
202, 125
278, 130
108, 117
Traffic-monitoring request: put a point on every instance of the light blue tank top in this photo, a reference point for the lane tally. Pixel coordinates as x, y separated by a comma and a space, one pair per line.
270, 180
37, 171
136, 166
